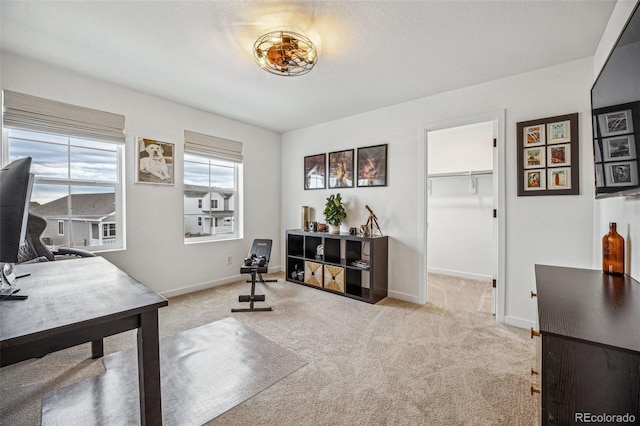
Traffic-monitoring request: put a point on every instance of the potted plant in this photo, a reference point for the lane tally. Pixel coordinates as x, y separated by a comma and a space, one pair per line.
334, 213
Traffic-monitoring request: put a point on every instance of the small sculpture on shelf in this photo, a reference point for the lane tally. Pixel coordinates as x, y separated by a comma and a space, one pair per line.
371, 222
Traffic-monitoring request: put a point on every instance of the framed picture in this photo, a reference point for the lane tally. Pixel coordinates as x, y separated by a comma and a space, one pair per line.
534, 158
615, 123
621, 174
154, 162
599, 176
559, 178
341, 169
314, 171
535, 180
372, 165
559, 155
597, 151
559, 132
534, 135
619, 148
548, 157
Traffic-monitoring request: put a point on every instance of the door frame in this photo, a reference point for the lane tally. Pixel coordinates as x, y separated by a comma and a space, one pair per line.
499, 169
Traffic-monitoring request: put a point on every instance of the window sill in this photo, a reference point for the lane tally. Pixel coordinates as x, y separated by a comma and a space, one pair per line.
189, 241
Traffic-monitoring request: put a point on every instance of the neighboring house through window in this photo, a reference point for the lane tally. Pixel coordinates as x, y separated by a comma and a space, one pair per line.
212, 169
77, 164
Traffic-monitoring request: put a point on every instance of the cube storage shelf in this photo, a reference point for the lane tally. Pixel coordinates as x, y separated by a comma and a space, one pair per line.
335, 271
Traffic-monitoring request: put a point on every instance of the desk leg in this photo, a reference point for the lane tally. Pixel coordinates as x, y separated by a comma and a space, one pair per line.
97, 349
149, 369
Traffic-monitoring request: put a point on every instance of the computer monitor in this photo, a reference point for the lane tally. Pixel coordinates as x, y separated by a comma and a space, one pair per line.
16, 183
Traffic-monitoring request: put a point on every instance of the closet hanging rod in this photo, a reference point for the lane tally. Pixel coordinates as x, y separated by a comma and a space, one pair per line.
457, 174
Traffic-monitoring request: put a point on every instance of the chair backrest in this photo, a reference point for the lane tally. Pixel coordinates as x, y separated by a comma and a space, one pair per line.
34, 247
260, 248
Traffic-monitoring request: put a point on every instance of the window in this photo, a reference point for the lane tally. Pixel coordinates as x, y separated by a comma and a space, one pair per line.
212, 188
77, 156
108, 230
75, 181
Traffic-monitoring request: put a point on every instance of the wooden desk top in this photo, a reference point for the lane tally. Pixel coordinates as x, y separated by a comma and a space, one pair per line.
71, 293
589, 305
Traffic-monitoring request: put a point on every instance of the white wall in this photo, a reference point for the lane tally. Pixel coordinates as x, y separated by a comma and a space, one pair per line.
552, 229
459, 215
156, 254
460, 231
461, 148
623, 210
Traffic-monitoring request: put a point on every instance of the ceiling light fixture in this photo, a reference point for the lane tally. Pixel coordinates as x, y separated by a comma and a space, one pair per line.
285, 53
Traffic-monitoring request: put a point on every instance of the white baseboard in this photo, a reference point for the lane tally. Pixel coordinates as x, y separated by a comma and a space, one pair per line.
467, 275
403, 296
201, 286
211, 284
520, 322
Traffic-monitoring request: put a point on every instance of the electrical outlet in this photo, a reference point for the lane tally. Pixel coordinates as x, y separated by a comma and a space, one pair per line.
229, 260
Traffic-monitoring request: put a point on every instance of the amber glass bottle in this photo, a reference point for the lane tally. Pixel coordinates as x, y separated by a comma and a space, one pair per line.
613, 251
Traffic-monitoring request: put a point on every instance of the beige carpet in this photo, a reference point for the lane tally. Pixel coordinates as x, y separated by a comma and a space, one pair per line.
394, 363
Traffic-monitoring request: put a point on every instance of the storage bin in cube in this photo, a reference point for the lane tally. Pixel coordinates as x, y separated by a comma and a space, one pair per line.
313, 273
334, 278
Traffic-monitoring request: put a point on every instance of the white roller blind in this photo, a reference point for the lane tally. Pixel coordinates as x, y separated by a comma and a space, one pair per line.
26, 112
197, 143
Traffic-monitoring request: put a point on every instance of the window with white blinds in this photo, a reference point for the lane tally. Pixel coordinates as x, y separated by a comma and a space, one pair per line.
27, 112
212, 188
77, 161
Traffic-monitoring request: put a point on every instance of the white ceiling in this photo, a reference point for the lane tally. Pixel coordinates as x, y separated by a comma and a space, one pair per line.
372, 53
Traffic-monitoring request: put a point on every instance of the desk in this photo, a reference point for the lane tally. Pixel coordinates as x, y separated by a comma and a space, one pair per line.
78, 301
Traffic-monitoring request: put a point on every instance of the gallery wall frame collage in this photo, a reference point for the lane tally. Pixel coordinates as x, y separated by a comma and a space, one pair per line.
548, 160
338, 169
616, 141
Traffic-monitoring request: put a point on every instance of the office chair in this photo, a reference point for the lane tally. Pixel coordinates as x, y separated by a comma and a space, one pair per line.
34, 249
257, 263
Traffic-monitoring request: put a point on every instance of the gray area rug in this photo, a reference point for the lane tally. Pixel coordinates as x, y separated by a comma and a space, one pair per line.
205, 371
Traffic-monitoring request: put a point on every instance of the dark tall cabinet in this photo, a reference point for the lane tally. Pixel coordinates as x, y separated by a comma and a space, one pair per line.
590, 346
349, 265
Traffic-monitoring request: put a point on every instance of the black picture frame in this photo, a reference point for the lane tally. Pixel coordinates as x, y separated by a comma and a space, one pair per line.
341, 169
372, 166
315, 175
616, 145
555, 169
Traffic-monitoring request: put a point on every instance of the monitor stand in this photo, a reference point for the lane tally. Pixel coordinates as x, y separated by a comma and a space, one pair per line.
8, 287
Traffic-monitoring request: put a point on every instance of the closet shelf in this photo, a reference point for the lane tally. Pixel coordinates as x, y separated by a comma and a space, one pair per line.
470, 174
459, 174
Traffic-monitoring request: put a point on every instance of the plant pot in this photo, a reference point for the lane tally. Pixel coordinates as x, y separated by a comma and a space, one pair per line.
334, 229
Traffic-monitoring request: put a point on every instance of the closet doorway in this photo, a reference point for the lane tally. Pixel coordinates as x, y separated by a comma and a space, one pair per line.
461, 213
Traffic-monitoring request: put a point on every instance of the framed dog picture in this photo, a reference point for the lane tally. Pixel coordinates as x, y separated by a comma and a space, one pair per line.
154, 162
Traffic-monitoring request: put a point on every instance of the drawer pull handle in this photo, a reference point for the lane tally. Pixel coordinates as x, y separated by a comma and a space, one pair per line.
534, 333
534, 294
533, 388
533, 371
